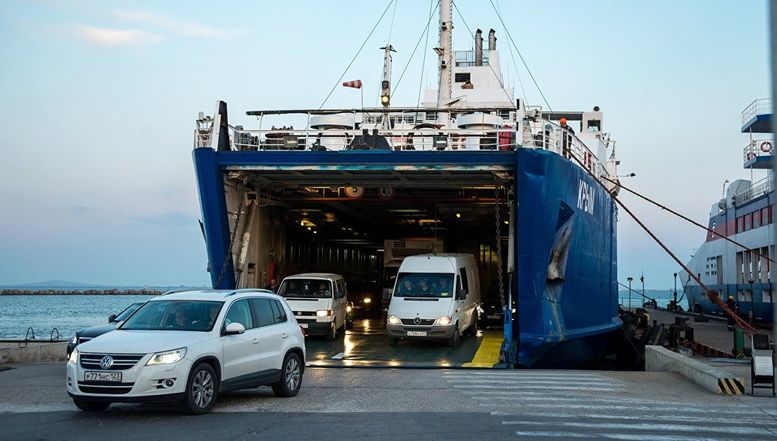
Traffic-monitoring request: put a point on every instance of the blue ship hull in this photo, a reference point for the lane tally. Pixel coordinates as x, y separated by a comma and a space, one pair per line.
570, 321
565, 281
762, 312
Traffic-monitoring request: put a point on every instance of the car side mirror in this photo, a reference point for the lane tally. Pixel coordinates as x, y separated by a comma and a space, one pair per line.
234, 328
461, 294
111, 318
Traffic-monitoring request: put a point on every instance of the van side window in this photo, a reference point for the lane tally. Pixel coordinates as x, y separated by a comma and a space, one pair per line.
464, 281
458, 283
339, 289
278, 311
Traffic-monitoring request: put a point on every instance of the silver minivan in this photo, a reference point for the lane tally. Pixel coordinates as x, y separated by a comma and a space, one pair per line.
319, 302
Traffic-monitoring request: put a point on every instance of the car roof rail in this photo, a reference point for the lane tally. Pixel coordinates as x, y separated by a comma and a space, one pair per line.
239, 291
173, 291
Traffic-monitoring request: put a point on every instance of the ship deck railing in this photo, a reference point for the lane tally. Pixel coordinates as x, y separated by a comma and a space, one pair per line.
760, 106
289, 139
756, 189
758, 148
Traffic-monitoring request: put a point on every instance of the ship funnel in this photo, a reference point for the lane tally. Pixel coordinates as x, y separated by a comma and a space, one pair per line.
478, 48
492, 40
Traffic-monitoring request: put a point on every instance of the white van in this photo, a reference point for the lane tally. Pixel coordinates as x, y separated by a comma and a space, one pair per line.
436, 296
318, 300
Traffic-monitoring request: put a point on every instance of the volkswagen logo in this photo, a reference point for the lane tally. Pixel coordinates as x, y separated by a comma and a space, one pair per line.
106, 362
417, 320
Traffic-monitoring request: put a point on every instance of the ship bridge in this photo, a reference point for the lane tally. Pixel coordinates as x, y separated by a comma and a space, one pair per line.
757, 121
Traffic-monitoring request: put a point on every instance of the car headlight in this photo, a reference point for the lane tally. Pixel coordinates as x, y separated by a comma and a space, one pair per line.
367, 300
394, 320
73, 339
324, 313
168, 357
443, 321
74, 356
348, 308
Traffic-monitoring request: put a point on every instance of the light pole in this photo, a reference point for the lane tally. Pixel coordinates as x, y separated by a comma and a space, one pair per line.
674, 302
630, 279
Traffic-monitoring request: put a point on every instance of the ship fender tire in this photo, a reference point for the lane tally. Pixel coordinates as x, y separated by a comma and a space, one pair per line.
766, 147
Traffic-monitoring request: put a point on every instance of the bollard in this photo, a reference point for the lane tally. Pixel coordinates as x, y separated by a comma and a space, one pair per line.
739, 342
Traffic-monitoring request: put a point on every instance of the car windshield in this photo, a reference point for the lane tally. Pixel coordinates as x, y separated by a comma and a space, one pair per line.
128, 312
174, 315
424, 285
306, 288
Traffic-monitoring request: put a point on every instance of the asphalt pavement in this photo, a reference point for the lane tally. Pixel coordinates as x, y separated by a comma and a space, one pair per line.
450, 404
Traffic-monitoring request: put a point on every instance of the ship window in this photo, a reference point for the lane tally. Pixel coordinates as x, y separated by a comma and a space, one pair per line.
748, 221
461, 77
740, 224
766, 296
757, 219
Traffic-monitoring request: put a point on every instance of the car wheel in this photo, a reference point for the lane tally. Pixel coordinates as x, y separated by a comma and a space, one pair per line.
201, 390
291, 377
393, 342
90, 405
456, 339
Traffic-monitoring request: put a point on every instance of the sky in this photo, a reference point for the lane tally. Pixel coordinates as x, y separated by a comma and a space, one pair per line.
100, 100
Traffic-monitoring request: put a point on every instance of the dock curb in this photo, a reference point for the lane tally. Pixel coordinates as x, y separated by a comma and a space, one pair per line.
34, 352
658, 358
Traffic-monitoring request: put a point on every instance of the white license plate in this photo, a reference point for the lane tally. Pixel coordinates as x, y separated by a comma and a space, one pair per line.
304, 325
416, 333
113, 377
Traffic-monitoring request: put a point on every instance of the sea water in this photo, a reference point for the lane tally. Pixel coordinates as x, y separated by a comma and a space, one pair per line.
66, 313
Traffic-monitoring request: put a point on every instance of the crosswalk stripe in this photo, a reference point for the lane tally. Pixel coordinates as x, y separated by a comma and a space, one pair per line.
618, 436
712, 421
546, 434
644, 428
540, 387
625, 406
528, 381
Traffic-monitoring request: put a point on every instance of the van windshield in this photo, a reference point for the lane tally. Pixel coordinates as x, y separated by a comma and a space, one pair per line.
424, 285
306, 288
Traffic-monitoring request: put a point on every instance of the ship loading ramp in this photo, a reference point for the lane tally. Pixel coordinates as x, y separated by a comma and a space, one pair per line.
289, 212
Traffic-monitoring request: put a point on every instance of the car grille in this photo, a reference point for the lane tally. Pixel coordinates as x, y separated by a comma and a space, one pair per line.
94, 387
121, 362
422, 322
305, 320
305, 313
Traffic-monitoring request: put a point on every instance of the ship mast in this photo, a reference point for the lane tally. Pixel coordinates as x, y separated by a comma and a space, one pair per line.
385, 85
445, 57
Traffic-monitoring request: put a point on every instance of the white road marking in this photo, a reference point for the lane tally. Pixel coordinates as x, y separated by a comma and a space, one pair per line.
645, 427
338, 356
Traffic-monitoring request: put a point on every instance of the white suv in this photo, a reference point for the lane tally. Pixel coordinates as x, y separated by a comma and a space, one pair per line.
187, 347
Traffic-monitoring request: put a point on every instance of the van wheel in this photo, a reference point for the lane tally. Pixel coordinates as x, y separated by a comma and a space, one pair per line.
393, 342
90, 406
201, 390
332, 334
291, 377
456, 339
473, 325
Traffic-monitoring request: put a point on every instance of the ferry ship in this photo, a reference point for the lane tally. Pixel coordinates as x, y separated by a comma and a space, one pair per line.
517, 186
745, 215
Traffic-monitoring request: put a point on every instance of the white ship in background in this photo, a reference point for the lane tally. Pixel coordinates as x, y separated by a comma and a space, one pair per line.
745, 215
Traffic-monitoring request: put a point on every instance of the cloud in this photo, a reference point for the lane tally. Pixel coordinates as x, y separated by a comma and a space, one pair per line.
170, 24
116, 37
